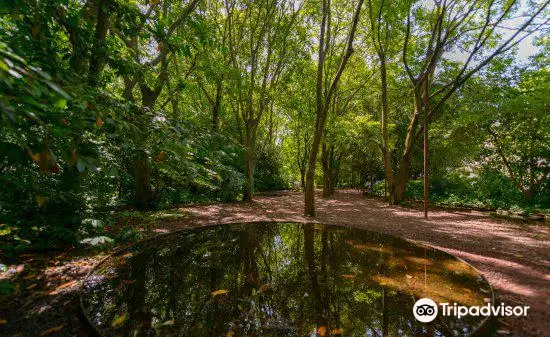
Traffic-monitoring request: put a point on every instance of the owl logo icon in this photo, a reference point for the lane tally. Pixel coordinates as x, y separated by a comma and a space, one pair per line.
425, 310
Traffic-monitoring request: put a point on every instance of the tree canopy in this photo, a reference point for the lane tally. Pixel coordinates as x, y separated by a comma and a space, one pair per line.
107, 104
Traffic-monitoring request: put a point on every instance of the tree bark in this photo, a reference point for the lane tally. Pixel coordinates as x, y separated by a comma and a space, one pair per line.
250, 163
142, 175
327, 174
216, 107
99, 52
388, 167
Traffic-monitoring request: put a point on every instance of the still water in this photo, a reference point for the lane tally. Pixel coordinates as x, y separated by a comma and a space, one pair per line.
278, 279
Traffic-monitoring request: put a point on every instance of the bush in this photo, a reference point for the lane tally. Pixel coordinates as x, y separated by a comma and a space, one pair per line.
415, 189
67, 156
269, 175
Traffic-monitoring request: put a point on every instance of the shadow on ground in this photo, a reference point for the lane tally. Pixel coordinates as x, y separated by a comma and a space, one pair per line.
513, 257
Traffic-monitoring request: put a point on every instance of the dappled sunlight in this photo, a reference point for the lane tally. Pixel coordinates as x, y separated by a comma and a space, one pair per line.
511, 275
437, 288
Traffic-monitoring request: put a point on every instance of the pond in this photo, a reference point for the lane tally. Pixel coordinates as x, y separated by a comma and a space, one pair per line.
279, 279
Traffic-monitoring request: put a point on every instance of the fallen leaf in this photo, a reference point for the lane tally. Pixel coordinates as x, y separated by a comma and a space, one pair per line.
118, 321
99, 122
3, 321
68, 284
63, 286
337, 331
52, 330
409, 276
160, 156
348, 276
322, 330
229, 333
219, 292
264, 288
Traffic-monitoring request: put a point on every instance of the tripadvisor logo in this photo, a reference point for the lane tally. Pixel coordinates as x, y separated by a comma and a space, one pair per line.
425, 310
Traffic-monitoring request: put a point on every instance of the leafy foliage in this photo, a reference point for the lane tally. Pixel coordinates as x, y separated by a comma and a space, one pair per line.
108, 105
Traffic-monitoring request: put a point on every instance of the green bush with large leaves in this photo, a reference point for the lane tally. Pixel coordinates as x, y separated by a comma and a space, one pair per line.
66, 157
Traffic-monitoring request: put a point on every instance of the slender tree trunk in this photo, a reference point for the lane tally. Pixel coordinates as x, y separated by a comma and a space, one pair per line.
309, 250
142, 166
334, 179
327, 174
142, 180
388, 169
310, 175
302, 177
97, 60
402, 177
250, 162
330, 170
217, 106
425, 147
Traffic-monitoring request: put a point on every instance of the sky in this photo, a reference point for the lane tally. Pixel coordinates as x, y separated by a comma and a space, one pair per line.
525, 48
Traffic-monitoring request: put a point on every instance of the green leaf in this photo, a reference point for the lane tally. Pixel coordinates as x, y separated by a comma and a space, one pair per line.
60, 104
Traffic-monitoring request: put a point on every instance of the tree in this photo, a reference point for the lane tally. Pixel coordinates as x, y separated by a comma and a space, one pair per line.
325, 88
258, 39
449, 24
519, 133
384, 23
156, 26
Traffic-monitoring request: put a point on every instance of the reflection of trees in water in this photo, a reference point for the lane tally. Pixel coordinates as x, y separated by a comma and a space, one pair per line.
264, 280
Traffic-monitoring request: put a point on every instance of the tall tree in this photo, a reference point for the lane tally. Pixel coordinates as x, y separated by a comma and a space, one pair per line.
384, 23
258, 39
441, 27
325, 88
148, 70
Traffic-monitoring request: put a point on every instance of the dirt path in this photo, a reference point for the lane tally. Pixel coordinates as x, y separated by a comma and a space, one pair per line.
514, 258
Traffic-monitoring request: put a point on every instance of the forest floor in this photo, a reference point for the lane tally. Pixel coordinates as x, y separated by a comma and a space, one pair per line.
514, 257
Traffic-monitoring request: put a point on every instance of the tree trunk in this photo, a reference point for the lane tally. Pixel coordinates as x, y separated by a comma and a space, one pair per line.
330, 170
402, 178
327, 174
302, 178
309, 251
309, 198
388, 169
97, 60
142, 180
250, 163
334, 181
217, 106
142, 167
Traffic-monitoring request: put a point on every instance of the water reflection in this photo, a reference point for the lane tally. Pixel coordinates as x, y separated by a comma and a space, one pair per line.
278, 279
